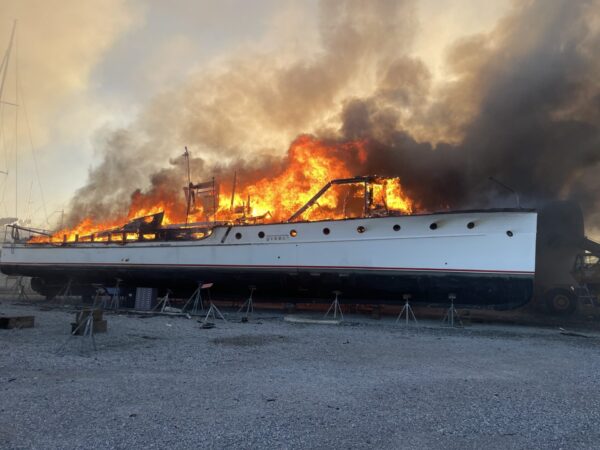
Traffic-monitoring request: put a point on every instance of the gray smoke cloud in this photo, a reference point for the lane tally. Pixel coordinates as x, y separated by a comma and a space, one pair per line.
533, 84
522, 105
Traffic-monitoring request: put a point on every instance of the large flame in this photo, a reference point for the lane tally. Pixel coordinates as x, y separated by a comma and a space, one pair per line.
272, 197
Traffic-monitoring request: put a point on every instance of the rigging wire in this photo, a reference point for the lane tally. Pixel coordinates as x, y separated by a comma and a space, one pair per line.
3, 71
16, 120
27, 216
6, 58
33, 154
19, 95
3, 183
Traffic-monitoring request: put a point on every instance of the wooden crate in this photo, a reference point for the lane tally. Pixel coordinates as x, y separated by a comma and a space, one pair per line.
8, 323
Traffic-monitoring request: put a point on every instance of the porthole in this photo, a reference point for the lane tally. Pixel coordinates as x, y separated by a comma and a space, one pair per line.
326, 231
293, 233
471, 225
261, 234
238, 235
361, 229
509, 233
396, 227
433, 226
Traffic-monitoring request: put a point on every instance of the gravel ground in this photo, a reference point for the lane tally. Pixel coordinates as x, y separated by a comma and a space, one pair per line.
162, 382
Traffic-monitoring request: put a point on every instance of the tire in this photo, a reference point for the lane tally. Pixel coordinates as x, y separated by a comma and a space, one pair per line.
561, 302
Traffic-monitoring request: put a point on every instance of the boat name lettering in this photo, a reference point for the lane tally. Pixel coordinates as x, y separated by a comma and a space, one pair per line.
277, 237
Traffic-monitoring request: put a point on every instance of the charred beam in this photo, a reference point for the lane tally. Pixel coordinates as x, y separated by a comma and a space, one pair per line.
313, 200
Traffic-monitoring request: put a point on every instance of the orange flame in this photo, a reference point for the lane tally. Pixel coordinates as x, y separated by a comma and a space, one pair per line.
267, 197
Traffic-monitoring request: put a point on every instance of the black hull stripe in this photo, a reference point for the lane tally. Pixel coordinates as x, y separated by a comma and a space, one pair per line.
251, 267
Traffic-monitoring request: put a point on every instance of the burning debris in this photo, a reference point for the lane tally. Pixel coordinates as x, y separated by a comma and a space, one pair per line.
254, 197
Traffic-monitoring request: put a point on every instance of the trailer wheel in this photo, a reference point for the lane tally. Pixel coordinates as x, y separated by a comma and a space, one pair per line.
560, 301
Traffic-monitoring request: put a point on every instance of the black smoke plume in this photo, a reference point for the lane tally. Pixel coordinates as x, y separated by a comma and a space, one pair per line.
521, 104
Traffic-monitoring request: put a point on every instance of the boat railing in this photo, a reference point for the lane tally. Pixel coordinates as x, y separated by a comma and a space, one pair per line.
19, 233
369, 207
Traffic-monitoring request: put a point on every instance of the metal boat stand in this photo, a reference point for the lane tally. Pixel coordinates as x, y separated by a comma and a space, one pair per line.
213, 312
88, 329
248, 304
196, 298
115, 298
165, 302
86, 337
452, 315
20, 289
335, 307
407, 312
64, 292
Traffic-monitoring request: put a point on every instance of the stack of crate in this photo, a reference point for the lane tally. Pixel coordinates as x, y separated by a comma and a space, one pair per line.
99, 325
145, 298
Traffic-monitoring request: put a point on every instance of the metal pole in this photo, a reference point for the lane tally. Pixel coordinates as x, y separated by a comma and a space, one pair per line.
186, 155
214, 192
16, 122
366, 200
508, 188
233, 191
6, 58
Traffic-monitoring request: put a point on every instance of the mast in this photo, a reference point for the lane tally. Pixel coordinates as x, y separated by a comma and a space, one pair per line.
4, 70
6, 58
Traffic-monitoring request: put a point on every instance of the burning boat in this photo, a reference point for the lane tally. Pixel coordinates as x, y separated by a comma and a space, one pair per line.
376, 250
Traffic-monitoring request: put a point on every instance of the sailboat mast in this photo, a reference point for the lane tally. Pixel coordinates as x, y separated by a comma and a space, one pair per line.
6, 58
4, 71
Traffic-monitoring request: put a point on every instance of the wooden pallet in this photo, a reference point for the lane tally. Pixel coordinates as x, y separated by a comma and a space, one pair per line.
11, 322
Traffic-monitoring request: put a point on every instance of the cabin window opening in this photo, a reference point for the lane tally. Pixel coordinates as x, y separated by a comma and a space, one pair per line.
293, 233
326, 231
361, 229
396, 227
509, 233
471, 225
238, 235
433, 226
261, 234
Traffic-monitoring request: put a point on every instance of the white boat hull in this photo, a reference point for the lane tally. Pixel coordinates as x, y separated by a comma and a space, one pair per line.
484, 257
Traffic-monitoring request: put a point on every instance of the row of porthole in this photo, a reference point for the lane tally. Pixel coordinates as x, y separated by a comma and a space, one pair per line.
361, 229
293, 233
470, 226
434, 226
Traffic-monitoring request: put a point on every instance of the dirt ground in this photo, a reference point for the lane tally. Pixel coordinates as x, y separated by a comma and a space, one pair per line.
164, 382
